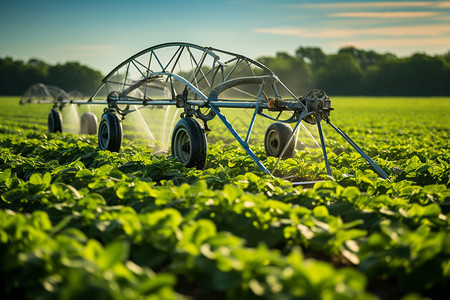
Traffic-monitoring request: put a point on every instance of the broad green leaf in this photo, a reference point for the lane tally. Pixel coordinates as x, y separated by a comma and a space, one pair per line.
47, 179
429, 211
93, 250
5, 175
195, 234
153, 285
92, 201
41, 221
84, 173
114, 253
36, 179
320, 211
232, 192
103, 170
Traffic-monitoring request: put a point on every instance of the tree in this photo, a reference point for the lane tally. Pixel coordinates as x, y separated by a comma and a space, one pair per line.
351, 71
35, 71
341, 75
73, 76
16, 76
418, 75
10, 73
366, 58
446, 57
291, 70
312, 56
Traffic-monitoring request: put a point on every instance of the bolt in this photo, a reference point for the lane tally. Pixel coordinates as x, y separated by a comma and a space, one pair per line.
186, 147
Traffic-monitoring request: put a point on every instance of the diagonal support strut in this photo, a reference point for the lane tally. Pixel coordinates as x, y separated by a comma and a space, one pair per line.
361, 152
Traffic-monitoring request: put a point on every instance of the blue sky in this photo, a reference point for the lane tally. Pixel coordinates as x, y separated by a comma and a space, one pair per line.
102, 34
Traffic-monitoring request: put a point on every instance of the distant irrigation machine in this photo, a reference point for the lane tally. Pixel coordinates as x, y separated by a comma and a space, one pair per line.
202, 83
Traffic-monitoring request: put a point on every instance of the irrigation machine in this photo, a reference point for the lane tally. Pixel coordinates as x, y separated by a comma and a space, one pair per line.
201, 83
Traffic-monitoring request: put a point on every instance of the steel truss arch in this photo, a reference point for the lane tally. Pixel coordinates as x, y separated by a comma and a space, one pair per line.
44, 93
192, 77
193, 65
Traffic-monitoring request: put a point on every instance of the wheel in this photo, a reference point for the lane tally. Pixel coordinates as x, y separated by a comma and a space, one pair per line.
88, 123
110, 132
189, 143
276, 138
54, 121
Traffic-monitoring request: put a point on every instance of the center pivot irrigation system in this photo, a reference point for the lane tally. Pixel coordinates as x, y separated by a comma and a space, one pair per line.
202, 83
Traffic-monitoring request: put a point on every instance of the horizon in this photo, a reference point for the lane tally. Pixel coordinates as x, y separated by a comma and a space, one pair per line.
102, 34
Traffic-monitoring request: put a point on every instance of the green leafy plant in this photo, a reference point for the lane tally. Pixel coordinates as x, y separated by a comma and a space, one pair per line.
79, 222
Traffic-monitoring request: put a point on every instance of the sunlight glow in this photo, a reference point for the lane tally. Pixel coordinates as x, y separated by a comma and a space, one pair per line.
386, 14
389, 44
381, 4
394, 31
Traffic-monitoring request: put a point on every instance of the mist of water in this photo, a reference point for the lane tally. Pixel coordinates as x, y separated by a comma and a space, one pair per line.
71, 119
164, 139
144, 125
153, 124
312, 137
172, 124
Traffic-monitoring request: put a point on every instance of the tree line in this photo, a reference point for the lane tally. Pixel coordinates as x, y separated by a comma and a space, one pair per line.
350, 71
353, 71
17, 76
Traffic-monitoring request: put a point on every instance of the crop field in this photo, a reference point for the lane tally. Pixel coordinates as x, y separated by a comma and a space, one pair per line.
78, 222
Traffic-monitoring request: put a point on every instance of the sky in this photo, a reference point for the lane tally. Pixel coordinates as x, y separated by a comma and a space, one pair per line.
102, 34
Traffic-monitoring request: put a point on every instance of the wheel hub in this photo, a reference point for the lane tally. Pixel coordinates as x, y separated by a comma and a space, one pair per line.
317, 103
186, 147
274, 143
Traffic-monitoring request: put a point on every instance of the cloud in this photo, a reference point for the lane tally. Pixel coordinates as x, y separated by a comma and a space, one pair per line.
387, 14
399, 31
292, 31
381, 4
396, 43
395, 31
443, 4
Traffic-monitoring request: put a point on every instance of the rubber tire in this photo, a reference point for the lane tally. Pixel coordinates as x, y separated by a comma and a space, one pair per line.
88, 123
110, 132
276, 138
189, 133
54, 121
